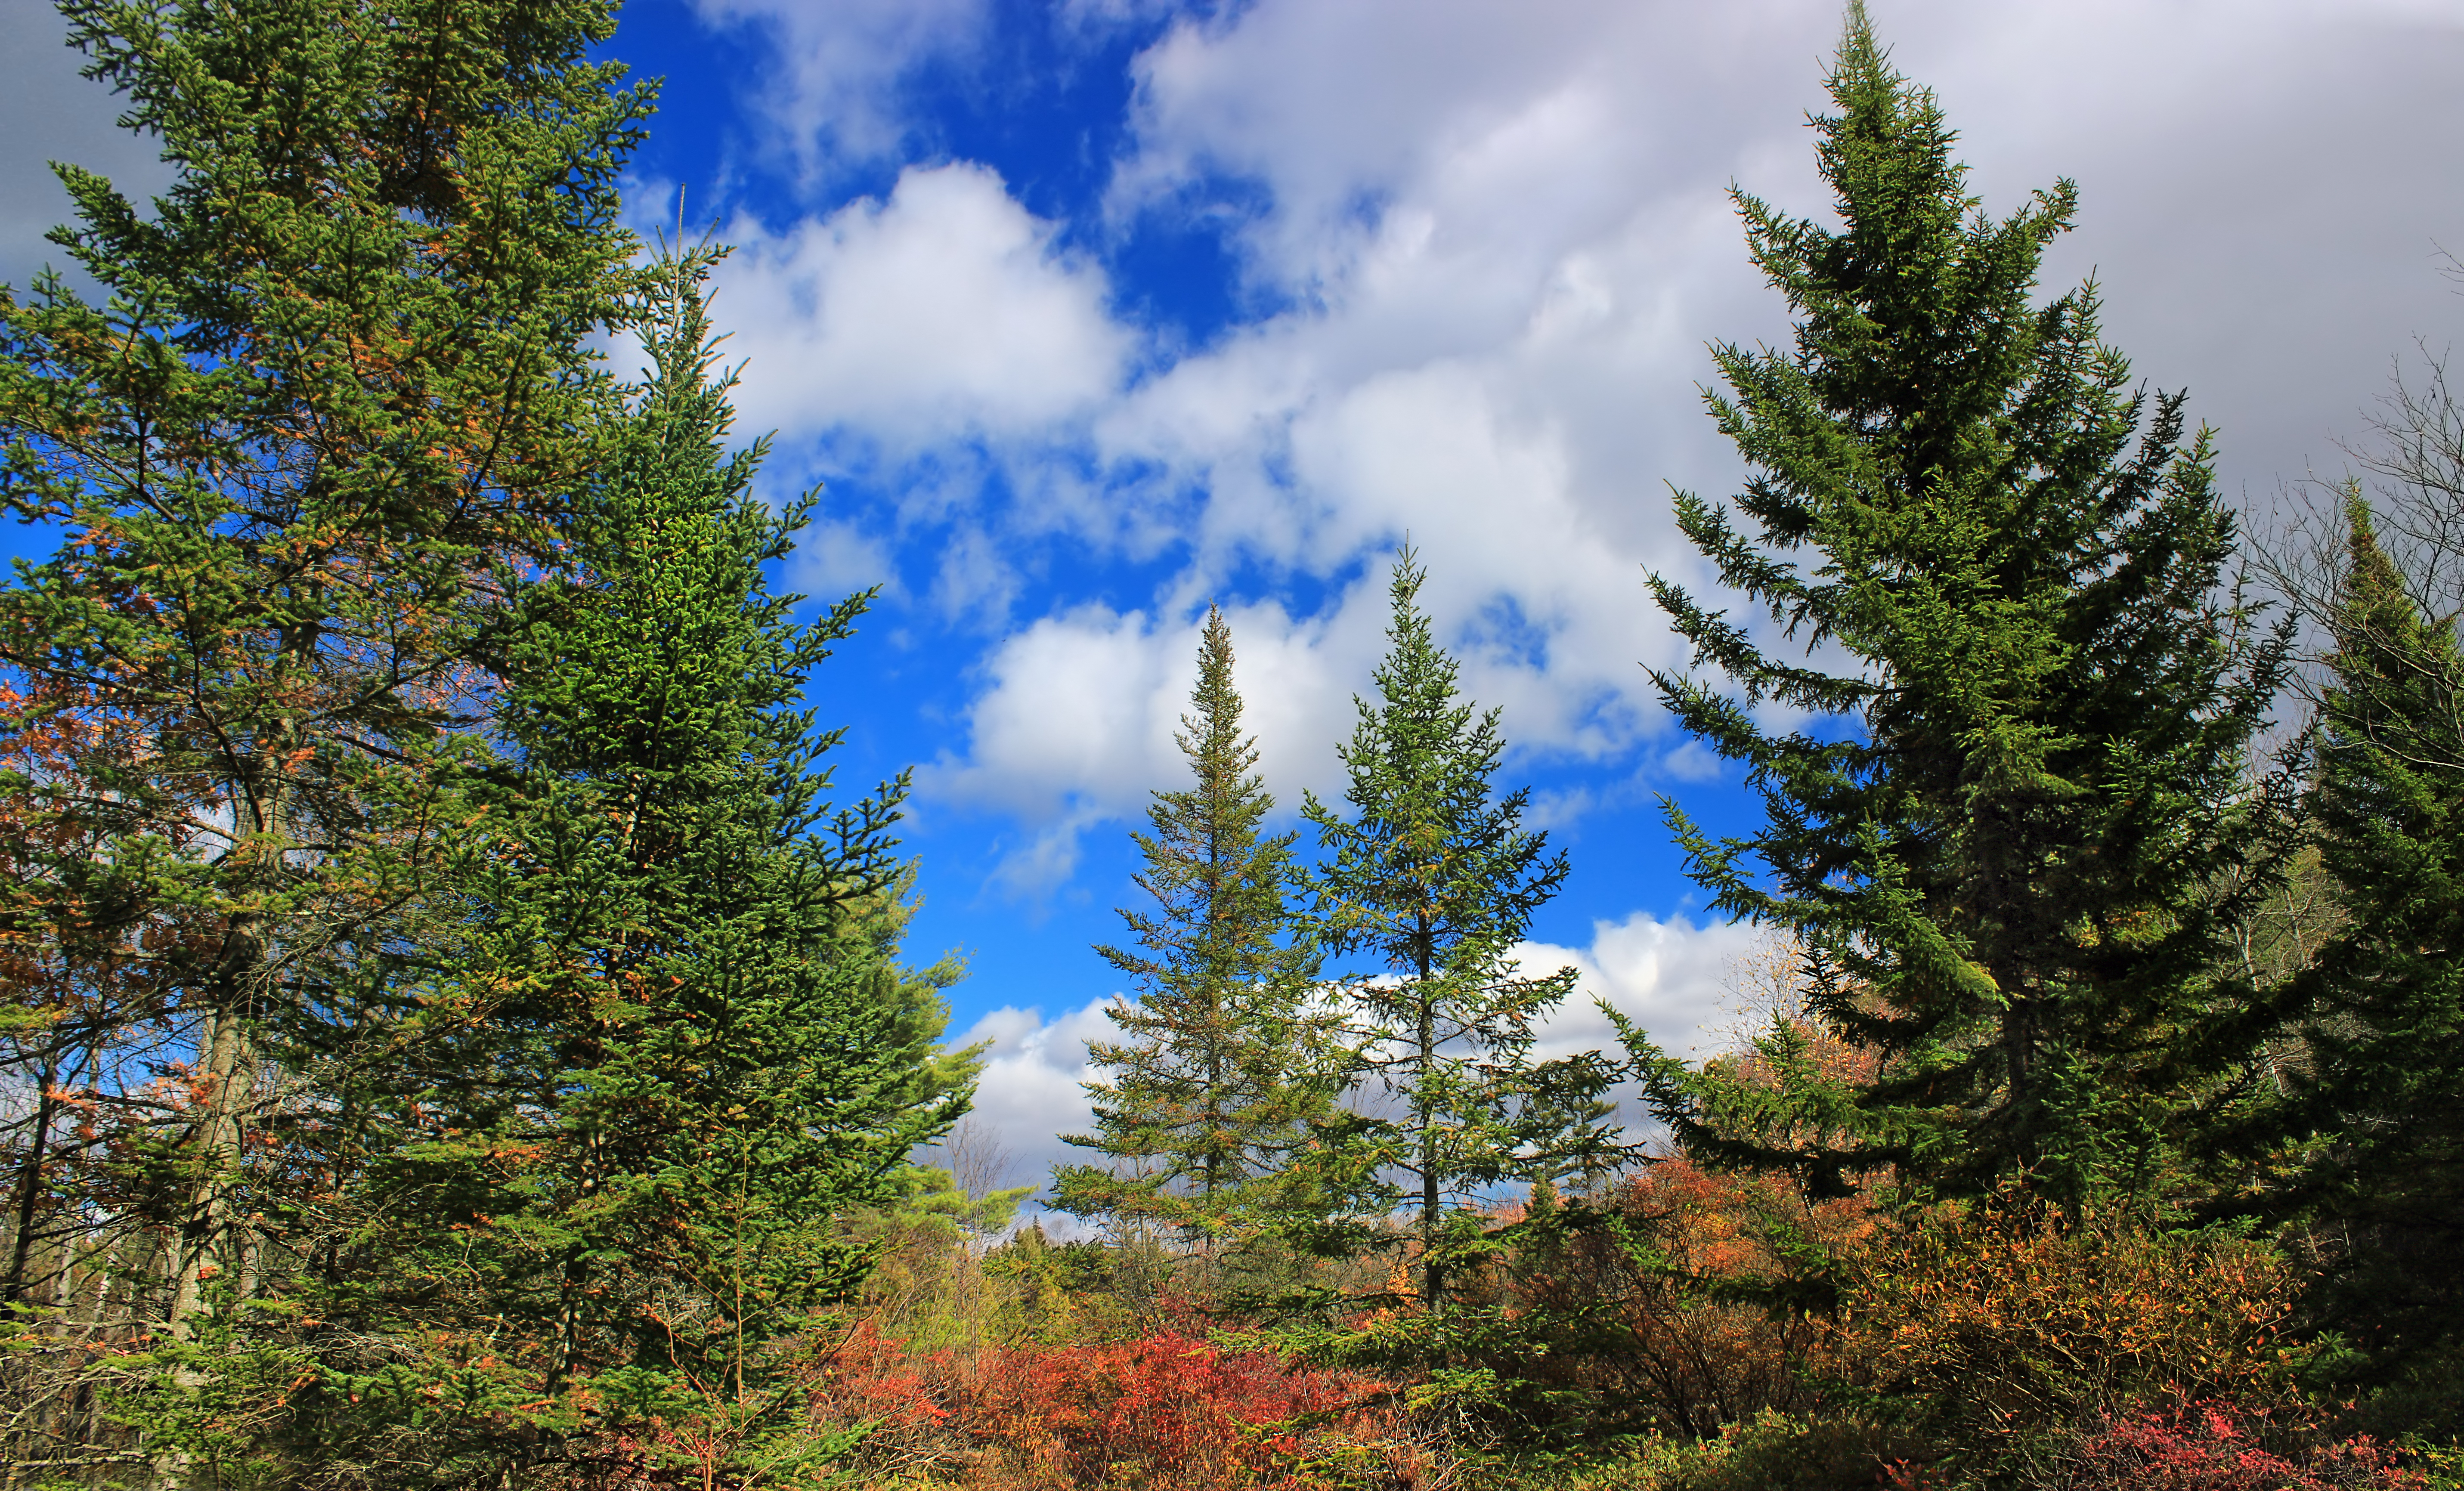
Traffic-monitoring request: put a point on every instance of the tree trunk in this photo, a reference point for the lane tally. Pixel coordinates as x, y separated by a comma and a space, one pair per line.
30, 1175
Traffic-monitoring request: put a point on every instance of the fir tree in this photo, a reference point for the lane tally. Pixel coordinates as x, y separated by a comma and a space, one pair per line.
675, 1048
2003, 855
2373, 1112
1225, 1058
1433, 880
345, 368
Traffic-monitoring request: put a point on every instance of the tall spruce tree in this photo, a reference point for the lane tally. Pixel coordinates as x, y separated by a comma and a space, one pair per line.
343, 369
2368, 1123
1227, 1056
2002, 834
669, 1049
1432, 881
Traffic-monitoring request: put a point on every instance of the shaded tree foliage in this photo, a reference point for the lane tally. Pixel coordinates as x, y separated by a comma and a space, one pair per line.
2001, 833
342, 373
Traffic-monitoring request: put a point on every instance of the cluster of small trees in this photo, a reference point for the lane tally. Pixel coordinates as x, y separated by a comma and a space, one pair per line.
1231, 1111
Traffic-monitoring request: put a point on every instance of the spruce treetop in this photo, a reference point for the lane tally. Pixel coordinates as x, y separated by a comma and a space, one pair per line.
2001, 850
1225, 1055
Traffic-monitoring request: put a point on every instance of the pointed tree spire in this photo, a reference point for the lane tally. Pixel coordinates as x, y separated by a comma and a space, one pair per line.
2003, 847
1224, 1058
1430, 881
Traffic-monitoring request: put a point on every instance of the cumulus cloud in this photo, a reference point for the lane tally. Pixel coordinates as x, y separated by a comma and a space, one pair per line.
1032, 1091
1077, 722
1672, 979
1676, 980
1502, 239
834, 98
942, 313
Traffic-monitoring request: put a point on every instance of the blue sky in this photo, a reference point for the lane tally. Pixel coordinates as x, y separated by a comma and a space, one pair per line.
1091, 311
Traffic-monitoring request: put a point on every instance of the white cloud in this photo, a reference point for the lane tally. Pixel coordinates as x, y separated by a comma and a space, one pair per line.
1076, 711
1501, 236
1671, 977
1674, 980
1507, 237
835, 558
1077, 721
942, 313
1032, 1091
835, 101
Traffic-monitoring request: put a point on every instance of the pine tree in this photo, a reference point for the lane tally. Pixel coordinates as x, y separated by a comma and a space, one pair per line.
2373, 1113
2001, 835
345, 368
677, 1050
1225, 1058
1434, 881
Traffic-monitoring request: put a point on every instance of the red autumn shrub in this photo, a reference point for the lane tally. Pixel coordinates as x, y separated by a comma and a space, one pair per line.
1166, 1409
1164, 1402
2217, 1447
869, 1377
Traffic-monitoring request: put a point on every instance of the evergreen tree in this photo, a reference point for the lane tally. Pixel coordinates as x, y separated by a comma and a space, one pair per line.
2373, 1113
343, 369
1226, 1057
2001, 836
672, 1050
1434, 881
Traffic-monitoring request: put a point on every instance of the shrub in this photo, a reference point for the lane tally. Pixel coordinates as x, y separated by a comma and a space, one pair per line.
2218, 1447
1992, 1322
1769, 1452
1167, 1407
1663, 1305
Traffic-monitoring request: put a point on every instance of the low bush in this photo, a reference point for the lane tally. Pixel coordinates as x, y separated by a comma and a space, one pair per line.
1165, 1409
1770, 1451
1987, 1326
2221, 1447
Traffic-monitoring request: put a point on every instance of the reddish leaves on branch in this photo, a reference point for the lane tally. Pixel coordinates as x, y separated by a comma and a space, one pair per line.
1165, 1408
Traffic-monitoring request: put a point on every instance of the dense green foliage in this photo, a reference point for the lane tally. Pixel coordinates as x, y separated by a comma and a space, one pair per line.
2003, 837
461, 1022
2362, 1134
342, 369
662, 1047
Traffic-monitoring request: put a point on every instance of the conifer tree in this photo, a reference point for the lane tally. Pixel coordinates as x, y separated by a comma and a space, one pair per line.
1225, 1057
2373, 1114
671, 1049
2003, 857
343, 369
1432, 881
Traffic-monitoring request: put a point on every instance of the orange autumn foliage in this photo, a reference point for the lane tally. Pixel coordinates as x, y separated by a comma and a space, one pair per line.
1166, 1408
2001, 1319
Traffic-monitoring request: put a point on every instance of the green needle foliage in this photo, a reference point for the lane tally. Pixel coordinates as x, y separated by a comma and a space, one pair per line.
1226, 1058
2029, 707
2373, 1114
341, 374
679, 1053
1433, 880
